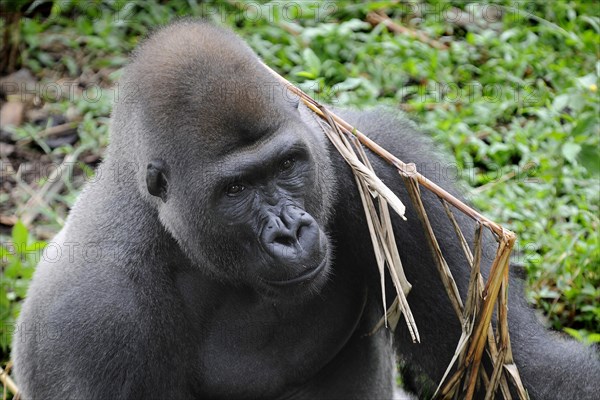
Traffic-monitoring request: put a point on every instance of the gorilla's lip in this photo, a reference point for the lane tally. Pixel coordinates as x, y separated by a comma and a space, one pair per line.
309, 275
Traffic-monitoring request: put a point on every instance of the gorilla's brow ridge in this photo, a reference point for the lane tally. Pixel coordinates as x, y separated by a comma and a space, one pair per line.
251, 132
254, 166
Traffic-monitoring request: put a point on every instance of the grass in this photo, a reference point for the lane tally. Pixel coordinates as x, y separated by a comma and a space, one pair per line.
514, 99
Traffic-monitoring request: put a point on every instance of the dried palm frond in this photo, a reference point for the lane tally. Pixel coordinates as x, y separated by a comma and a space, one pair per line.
478, 337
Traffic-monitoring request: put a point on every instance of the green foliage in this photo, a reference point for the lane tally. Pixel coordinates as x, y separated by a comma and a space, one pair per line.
18, 257
583, 335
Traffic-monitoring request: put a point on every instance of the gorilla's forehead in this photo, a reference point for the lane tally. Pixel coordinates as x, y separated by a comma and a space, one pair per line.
226, 116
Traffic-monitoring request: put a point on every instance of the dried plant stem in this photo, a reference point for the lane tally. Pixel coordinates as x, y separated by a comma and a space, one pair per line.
51, 131
376, 18
380, 225
443, 268
482, 298
7, 382
402, 167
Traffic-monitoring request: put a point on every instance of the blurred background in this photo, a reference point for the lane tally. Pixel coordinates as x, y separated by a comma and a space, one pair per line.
509, 88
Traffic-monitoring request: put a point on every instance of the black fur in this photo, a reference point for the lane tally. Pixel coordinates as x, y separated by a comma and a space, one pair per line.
239, 265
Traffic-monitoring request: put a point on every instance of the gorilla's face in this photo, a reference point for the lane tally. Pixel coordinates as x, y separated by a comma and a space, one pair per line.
264, 198
252, 212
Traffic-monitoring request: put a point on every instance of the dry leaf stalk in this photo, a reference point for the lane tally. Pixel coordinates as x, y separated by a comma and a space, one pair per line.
7, 382
478, 338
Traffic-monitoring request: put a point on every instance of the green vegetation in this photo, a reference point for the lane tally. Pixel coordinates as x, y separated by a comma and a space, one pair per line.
514, 98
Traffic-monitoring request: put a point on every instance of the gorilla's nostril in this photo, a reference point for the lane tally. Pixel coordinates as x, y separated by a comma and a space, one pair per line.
284, 240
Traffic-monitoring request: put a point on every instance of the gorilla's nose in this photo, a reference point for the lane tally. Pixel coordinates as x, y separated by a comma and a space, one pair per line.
292, 237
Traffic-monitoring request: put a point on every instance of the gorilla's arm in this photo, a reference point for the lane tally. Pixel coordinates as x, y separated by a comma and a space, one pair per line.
96, 325
551, 366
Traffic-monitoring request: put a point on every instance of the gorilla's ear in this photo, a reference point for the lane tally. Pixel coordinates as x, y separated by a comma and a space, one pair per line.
156, 179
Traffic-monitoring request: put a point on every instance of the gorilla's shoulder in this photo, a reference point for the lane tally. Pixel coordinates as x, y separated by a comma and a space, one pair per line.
394, 131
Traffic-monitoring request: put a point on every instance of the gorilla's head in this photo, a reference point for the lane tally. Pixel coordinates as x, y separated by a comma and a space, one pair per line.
237, 169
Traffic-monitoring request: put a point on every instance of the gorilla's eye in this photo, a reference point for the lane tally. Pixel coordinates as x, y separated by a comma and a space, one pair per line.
287, 164
234, 189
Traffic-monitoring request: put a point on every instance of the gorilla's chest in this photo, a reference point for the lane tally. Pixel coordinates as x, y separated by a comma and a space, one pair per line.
246, 346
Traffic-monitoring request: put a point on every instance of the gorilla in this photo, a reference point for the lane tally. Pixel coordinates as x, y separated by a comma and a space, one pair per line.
221, 252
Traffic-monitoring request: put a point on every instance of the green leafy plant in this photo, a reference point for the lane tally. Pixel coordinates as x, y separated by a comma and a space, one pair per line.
19, 255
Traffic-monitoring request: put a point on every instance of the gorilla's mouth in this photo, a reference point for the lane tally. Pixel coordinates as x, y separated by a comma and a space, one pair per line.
305, 277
